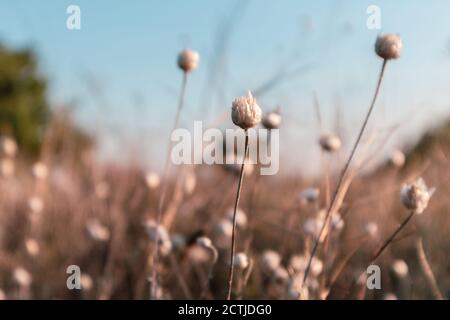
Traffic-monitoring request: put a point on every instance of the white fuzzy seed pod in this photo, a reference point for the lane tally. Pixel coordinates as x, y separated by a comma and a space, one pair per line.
415, 196
330, 142
245, 112
188, 60
271, 120
270, 261
388, 46
241, 261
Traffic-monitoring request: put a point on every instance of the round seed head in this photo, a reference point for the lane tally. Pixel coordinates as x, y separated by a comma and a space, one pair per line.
152, 180
188, 60
371, 229
241, 217
40, 171
397, 158
388, 46
271, 120
22, 277
400, 268
245, 112
270, 261
204, 242
330, 142
241, 261
415, 196
8, 146
310, 194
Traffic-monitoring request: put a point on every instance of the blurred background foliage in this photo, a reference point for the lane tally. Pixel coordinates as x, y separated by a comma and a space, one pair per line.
25, 112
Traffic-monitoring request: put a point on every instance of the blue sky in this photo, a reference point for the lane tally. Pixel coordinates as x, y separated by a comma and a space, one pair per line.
127, 50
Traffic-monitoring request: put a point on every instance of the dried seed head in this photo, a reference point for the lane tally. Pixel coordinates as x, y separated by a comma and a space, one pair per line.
8, 146
178, 241
188, 60
241, 217
400, 268
388, 46
245, 112
152, 180
390, 296
270, 261
204, 242
36, 204
310, 195
86, 282
415, 196
97, 231
32, 247
397, 158
241, 261
371, 229
271, 120
280, 275
336, 222
330, 142
22, 277
40, 171
224, 228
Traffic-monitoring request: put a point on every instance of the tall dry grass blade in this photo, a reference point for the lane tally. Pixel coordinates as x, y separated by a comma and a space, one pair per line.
344, 172
427, 271
162, 198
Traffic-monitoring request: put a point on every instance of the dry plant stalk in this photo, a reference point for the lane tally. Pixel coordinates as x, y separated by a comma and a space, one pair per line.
427, 271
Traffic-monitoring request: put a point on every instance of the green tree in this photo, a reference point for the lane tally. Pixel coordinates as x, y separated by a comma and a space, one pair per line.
24, 110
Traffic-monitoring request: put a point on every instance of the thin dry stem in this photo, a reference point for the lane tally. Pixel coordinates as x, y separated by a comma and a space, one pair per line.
427, 271
236, 203
155, 255
344, 172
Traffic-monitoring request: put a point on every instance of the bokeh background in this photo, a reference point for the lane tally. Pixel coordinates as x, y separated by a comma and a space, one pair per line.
90, 113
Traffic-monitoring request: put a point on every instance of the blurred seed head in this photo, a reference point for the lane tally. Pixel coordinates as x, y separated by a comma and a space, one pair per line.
390, 296
400, 268
270, 261
388, 46
86, 282
310, 195
397, 158
188, 60
330, 142
271, 120
241, 261
241, 217
280, 275
36, 204
371, 229
178, 241
8, 146
190, 182
22, 277
40, 171
204, 242
7, 167
415, 196
32, 247
245, 112
97, 231
232, 166
2, 295
224, 228
152, 180
336, 222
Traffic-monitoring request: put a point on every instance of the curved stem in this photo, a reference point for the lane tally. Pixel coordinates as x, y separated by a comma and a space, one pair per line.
236, 203
344, 172
162, 198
